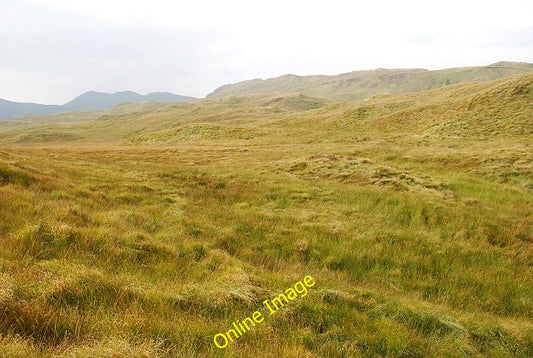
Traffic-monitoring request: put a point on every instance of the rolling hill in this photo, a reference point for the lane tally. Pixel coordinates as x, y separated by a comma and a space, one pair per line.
491, 108
363, 84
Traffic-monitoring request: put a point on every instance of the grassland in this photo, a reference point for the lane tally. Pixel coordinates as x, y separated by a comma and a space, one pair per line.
145, 230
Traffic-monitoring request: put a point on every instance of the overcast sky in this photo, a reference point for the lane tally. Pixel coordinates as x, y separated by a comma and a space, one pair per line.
54, 50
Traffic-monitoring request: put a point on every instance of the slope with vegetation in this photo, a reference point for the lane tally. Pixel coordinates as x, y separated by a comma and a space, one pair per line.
363, 84
147, 229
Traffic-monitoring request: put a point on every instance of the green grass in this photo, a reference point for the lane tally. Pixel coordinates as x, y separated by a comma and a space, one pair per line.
153, 229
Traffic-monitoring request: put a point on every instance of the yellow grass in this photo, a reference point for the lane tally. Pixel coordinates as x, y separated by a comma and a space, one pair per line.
144, 233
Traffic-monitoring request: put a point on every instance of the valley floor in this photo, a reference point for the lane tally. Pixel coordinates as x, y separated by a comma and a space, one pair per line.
151, 251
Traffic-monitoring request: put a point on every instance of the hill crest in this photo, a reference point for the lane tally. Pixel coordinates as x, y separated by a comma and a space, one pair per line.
358, 85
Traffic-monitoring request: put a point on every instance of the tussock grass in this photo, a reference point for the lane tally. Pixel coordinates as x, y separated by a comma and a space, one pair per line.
414, 214
15, 177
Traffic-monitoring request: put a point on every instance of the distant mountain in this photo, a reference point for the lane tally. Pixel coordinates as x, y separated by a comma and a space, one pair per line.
89, 101
10, 109
363, 84
98, 101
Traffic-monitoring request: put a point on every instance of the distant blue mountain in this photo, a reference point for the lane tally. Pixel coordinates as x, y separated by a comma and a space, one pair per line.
10, 109
97, 100
89, 101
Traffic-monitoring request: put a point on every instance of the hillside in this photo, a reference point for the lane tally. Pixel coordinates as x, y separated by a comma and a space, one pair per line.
147, 229
363, 84
492, 109
88, 101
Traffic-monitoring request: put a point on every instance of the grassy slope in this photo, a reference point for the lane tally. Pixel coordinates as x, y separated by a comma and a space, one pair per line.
363, 84
150, 231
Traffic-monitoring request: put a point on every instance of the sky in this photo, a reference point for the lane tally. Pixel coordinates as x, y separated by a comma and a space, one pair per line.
53, 50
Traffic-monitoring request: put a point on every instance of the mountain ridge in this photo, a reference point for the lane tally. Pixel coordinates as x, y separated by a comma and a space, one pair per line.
349, 86
357, 85
88, 101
